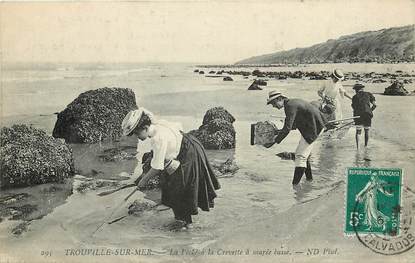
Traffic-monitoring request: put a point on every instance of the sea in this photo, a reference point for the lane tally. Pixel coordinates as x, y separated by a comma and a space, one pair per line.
261, 188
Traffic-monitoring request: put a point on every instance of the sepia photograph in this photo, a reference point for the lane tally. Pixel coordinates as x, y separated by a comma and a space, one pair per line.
207, 131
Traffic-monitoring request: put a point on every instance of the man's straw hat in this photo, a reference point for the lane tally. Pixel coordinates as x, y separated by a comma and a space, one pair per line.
272, 95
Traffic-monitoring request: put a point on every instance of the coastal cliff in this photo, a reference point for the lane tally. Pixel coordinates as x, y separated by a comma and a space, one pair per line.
395, 44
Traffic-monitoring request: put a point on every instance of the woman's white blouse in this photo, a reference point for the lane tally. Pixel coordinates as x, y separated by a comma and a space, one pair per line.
332, 90
166, 140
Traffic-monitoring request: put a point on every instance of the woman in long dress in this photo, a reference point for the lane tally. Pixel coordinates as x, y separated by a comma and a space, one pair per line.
368, 195
332, 93
192, 182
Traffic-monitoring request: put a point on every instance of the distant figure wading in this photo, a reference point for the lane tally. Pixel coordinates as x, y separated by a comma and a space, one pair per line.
332, 93
363, 104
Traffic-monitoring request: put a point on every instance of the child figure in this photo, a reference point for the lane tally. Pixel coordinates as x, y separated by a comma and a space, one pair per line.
363, 104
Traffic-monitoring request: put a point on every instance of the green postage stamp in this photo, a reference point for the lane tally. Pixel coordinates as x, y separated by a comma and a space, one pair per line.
373, 201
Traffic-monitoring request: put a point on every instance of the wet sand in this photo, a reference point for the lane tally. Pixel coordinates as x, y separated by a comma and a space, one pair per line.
317, 224
256, 207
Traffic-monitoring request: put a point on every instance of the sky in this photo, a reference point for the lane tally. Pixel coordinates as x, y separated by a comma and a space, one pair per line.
183, 31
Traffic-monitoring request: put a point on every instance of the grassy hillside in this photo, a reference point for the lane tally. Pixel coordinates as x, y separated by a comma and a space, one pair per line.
387, 45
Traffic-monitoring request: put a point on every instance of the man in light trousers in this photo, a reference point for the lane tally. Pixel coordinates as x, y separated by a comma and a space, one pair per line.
305, 117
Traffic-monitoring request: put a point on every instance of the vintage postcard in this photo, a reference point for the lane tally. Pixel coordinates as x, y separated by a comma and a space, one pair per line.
207, 131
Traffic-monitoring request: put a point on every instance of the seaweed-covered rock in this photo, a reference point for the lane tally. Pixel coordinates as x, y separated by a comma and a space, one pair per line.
254, 86
396, 89
379, 81
218, 125
218, 113
215, 141
88, 185
226, 169
21, 228
117, 154
29, 156
258, 73
139, 206
260, 82
286, 155
217, 131
95, 115
227, 78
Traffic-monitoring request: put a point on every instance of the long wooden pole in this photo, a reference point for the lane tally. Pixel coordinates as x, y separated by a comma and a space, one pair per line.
116, 190
113, 212
351, 118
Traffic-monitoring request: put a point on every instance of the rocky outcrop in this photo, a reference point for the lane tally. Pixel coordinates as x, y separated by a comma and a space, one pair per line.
217, 131
118, 154
95, 115
140, 206
88, 184
286, 155
396, 89
226, 169
367, 77
29, 156
217, 113
260, 82
254, 86
258, 73
227, 78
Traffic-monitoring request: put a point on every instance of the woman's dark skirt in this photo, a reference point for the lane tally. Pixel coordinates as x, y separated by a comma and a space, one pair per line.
193, 184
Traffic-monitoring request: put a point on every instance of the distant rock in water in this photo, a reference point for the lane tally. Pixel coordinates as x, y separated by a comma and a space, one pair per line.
196, 71
396, 89
317, 77
217, 131
227, 78
95, 115
286, 155
379, 81
29, 156
254, 86
260, 82
212, 72
201, 72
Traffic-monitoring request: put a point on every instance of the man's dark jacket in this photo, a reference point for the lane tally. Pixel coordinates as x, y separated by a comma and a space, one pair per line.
302, 115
